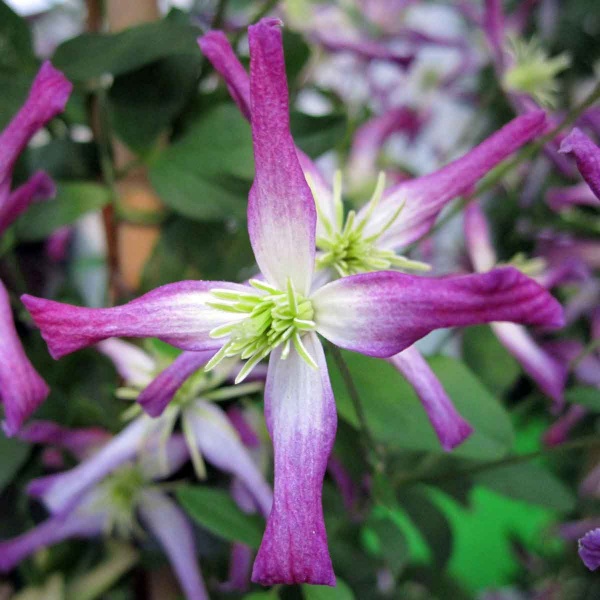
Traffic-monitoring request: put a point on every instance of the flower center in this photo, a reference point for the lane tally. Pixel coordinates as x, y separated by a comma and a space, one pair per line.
347, 248
534, 72
274, 317
119, 494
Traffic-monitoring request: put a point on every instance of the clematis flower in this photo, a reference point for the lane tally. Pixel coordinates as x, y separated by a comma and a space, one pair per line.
281, 315
207, 430
549, 373
47, 98
589, 549
394, 218
111, 506
587, 157
22, 389
524, 68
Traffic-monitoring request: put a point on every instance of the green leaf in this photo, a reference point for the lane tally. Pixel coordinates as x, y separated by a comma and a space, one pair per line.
72, 201
487, 357
15, 87
16, 50
531, 483
65, 159
296, 52
390, 542
13, 453
91, 55
191, 250
585, 395
396, 417
317, 135
216, 510
341, 591
431, 523
146, 101
269, 595
206, 174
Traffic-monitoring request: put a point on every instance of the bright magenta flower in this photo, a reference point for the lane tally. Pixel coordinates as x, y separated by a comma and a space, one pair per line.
281, 315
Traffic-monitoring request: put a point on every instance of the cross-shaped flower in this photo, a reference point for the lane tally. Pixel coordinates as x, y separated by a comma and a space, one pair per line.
281, 314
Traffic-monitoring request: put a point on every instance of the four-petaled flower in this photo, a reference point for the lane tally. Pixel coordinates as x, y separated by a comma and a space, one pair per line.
281, 314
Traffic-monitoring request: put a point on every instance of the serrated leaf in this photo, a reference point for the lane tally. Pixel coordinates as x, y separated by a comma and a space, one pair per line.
216, 510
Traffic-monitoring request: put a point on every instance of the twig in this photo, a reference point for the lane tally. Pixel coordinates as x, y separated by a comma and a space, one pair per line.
373, 452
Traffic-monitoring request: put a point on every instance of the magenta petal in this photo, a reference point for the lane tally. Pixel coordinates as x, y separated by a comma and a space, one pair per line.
176, 313
589, 549
559, 198
477, 235
561, 428
47, 97
425, 197
176, 535
572, 530
218, 50
240, 563
22, 389
281, 210
51, 531
301, 417
587, 157
449, 426
386, 312
549, 374
38, 187
157, 395
220, 444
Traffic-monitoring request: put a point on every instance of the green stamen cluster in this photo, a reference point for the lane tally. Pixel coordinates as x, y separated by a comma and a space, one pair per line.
534, 72
347, 249
273, 318
119, 499
528, 266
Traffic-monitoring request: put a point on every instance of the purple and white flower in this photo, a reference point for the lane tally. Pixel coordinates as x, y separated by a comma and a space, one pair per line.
111, 506
394, 218
280, 316
22, 389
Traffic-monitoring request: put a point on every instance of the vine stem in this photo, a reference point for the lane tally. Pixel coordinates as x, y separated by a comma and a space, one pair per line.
373, 452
